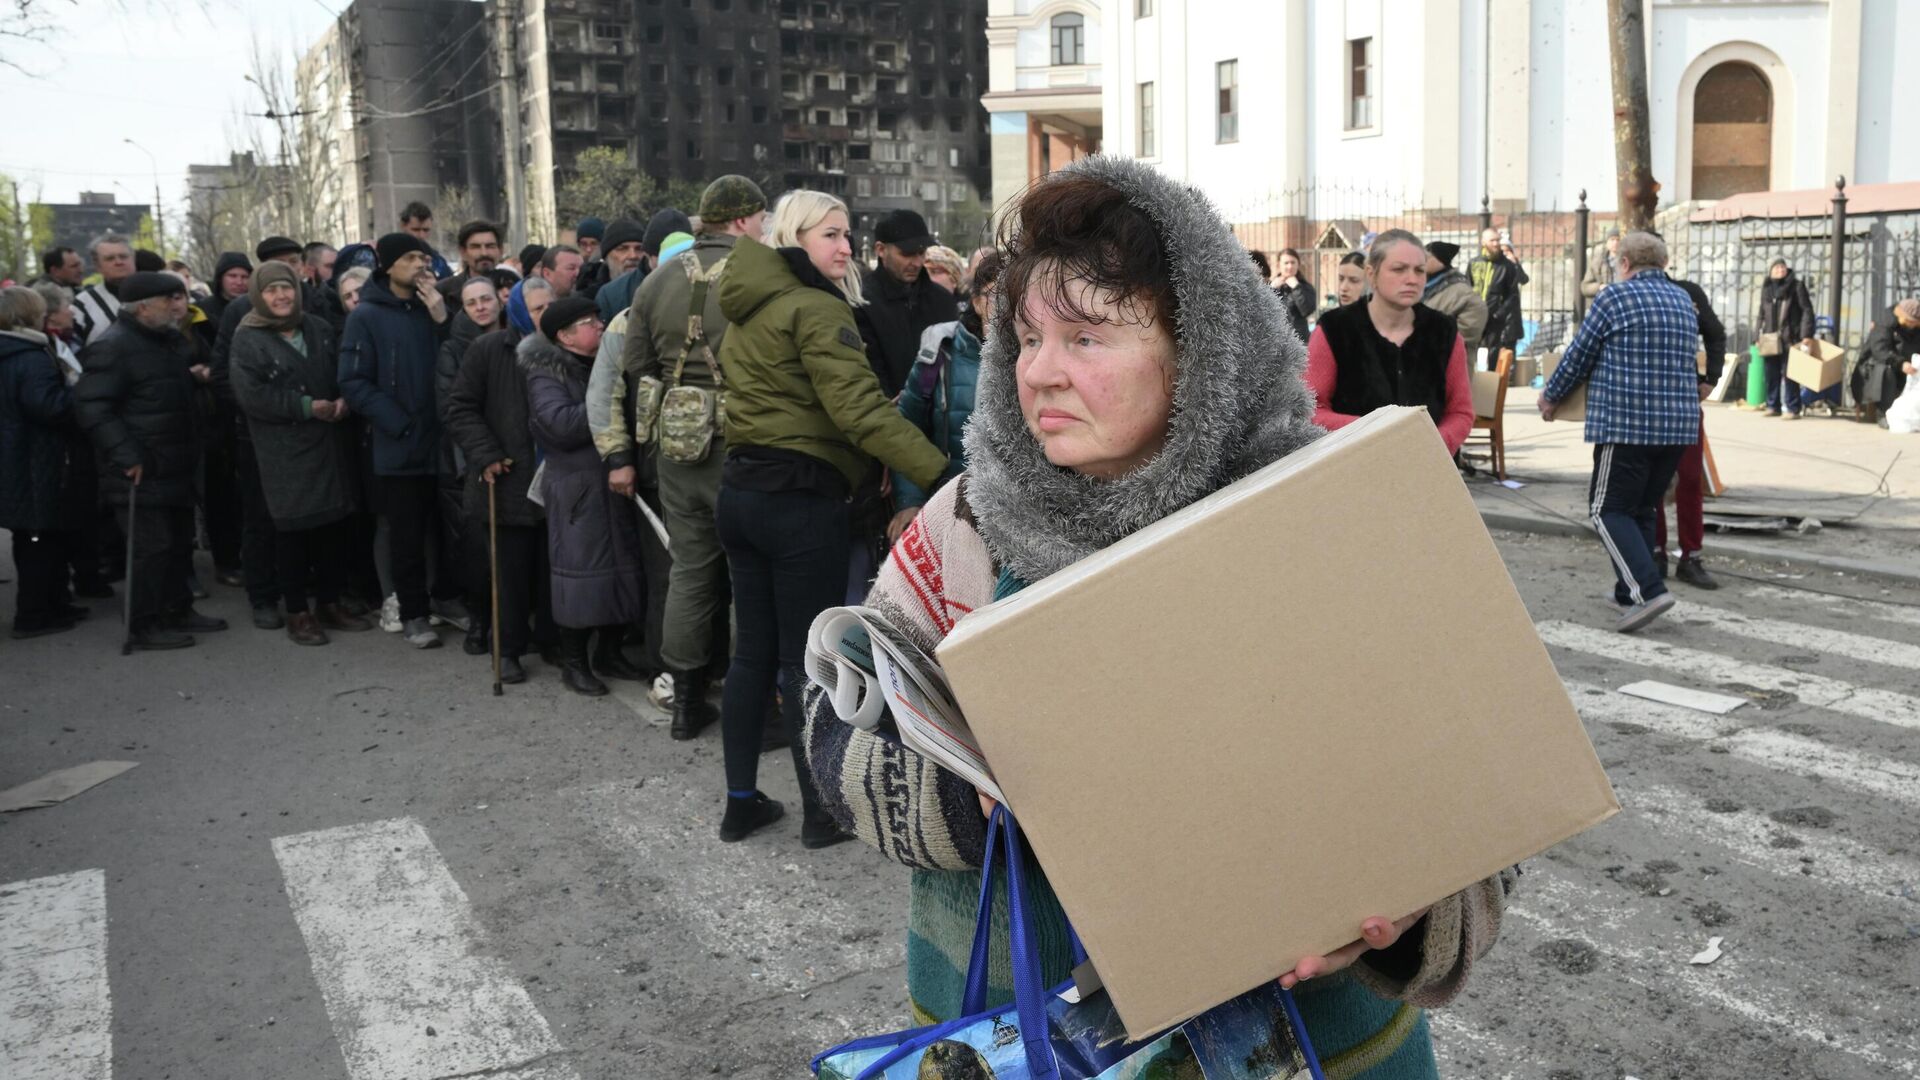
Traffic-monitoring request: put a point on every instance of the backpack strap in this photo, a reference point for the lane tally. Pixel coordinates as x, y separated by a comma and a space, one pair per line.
701, 280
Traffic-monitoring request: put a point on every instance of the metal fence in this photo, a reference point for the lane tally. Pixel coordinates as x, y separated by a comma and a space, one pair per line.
1878, 254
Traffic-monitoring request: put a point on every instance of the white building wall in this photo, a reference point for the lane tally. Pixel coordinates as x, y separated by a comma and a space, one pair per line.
1888, 151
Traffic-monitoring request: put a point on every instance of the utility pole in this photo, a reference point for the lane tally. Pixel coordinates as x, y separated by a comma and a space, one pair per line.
159, 212
1632, 143
507, 11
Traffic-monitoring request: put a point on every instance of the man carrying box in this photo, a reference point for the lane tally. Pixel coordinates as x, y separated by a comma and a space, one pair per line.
1635, 351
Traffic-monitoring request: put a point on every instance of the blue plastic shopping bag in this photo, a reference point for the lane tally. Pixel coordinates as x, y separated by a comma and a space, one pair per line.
1055, 1035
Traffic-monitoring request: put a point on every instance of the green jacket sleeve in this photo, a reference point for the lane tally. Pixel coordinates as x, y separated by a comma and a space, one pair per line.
832, 352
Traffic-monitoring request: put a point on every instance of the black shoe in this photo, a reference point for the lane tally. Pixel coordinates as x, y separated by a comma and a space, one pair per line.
98, 590
23, 631
477, 643
746, 816
192, 622
612, 663
268, 617
819, 830
581, 680
155, 637
232, 579
1694, 572
692, 713
511, 672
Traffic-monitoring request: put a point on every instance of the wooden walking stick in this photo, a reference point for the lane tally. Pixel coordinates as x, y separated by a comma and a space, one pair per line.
493, 568
133, 492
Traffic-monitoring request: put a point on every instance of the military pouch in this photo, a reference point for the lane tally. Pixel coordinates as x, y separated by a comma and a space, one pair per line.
647, 394
688, 422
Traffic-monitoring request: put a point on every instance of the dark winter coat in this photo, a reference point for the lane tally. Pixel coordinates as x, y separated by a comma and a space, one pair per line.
1299, 302
938, 398
453, 352
1713, 333
616, 296
36, 417
136, 400
1879, 379
1498, 282
593, 535
307, 466
893, 318
388, 354
1785, 309
486, 414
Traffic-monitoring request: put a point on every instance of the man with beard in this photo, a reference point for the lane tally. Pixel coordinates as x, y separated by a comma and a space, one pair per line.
628, 260
479, 254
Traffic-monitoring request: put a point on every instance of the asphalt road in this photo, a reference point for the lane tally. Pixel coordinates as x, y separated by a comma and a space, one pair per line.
353, 862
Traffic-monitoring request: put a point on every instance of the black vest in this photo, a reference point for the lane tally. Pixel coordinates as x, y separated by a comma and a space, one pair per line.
1372, 372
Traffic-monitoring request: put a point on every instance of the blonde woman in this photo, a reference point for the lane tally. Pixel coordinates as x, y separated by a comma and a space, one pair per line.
946, 269
805, 418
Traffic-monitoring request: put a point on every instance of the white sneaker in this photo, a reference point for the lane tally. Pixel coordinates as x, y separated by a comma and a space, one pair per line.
451, 613
390, 614
420, 634
661, 693
1639, 615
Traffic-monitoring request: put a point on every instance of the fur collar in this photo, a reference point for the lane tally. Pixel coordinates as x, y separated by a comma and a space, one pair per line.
538, 356
1240, 398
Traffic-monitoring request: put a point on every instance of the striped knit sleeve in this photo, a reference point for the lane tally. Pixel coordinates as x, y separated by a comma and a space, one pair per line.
1455, 934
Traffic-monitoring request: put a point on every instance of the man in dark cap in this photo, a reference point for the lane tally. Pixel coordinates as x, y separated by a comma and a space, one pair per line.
628, 261
135, 400
285, 249
1451, 294
387, 365
593, 268
902, 301
657, 331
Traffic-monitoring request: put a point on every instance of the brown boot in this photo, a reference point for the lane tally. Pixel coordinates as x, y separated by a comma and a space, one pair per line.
304, 629
335, 617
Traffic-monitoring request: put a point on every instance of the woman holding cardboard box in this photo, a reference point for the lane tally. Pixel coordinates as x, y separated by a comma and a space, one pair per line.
1123, 378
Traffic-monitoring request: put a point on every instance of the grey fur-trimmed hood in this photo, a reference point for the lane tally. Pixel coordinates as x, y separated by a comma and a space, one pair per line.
538, 356
1240, 398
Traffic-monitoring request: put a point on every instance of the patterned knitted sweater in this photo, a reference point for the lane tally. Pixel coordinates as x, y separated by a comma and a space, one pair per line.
1366, 1022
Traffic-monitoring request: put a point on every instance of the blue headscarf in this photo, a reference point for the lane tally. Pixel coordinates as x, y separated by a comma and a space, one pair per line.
517, 313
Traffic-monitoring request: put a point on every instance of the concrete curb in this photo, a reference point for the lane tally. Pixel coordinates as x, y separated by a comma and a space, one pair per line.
1908, 573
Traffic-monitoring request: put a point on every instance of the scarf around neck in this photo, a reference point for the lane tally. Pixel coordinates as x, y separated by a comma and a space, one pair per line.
271, 273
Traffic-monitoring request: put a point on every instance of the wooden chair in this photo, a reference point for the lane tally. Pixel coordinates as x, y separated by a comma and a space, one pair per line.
1494, 425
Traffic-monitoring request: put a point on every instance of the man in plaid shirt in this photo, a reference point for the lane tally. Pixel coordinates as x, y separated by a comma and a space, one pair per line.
1636, 353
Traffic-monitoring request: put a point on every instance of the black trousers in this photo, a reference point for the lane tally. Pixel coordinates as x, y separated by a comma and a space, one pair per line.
1625, 495
221, 501
461, 573
257, 562
312, 562
526, 587
409, 505
162, 539
40, 578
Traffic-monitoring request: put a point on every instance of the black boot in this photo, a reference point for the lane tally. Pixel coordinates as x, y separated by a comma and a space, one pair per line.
1694, 572
478, 641
692, 713
574, 671
819, 830
611, 662
744, 816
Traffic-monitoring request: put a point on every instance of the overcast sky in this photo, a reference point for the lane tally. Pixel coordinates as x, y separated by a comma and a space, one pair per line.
165, 73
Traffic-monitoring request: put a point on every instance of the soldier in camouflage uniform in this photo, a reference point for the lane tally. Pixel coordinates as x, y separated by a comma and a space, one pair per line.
652, 403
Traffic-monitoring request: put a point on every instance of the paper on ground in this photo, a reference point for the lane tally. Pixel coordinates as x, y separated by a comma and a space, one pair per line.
1709, 954
1668, 694
61, 785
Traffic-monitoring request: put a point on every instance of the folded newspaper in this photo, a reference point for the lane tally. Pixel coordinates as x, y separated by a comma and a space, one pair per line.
878, 680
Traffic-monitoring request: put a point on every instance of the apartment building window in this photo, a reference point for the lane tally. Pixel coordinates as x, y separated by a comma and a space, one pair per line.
863, 187
759, 114
1360, 84
693, 150
723, 75
609, 31
1149, 145
1069, 39
1227, 128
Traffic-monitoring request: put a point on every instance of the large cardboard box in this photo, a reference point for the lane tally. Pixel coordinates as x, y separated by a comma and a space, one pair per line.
1819, 369
1236, 734
1574, 405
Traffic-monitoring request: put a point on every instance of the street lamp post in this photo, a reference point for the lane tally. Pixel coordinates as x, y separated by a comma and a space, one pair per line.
159, 212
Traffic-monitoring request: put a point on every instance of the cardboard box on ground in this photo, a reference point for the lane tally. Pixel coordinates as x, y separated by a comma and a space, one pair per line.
1235, 735
1574, 405
1818, 369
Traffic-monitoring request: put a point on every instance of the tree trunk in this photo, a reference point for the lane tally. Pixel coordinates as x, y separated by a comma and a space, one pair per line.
1632, 144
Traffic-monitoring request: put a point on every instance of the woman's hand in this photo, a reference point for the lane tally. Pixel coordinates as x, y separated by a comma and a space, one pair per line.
1378, 932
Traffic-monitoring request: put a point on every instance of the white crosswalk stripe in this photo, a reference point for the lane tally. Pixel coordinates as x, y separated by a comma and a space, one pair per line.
1876, 609
1718, 671
56, 1011
1873, 650
397, 953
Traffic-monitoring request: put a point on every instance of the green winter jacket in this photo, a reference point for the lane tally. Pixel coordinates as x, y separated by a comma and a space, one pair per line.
797, 372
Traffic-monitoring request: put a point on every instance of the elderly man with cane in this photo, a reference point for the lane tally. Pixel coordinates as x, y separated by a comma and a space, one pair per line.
135, 399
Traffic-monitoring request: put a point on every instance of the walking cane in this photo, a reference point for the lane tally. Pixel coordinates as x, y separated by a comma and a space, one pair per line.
133, 492
493, 568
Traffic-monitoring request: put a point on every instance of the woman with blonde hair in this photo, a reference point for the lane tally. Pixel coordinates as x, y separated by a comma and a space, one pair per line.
805, 417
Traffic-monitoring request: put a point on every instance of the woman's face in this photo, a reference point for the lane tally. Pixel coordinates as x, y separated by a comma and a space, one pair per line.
1350, 283
1401, 277
1289, 267
350, 294
481, 303
60, 319
1097, 395
1777, 272
826, 244
279, 298
943, 277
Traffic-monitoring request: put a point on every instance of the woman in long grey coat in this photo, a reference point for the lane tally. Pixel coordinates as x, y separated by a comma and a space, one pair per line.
286, 384
593, 535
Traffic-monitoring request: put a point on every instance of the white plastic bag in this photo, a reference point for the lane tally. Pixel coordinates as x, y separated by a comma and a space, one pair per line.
1903, 416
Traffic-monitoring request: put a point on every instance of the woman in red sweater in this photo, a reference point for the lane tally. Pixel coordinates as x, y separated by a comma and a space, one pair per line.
1391, 349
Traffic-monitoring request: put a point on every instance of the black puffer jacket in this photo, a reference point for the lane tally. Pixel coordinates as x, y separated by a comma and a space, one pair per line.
136, 400
36, 415
486, 413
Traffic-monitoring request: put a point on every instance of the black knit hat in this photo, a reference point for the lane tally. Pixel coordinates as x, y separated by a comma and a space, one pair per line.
623, 231
1443, 251
147, 284
389, 248
563, 313
276, 245
145, 261
530, 257
589, 228
665, 223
